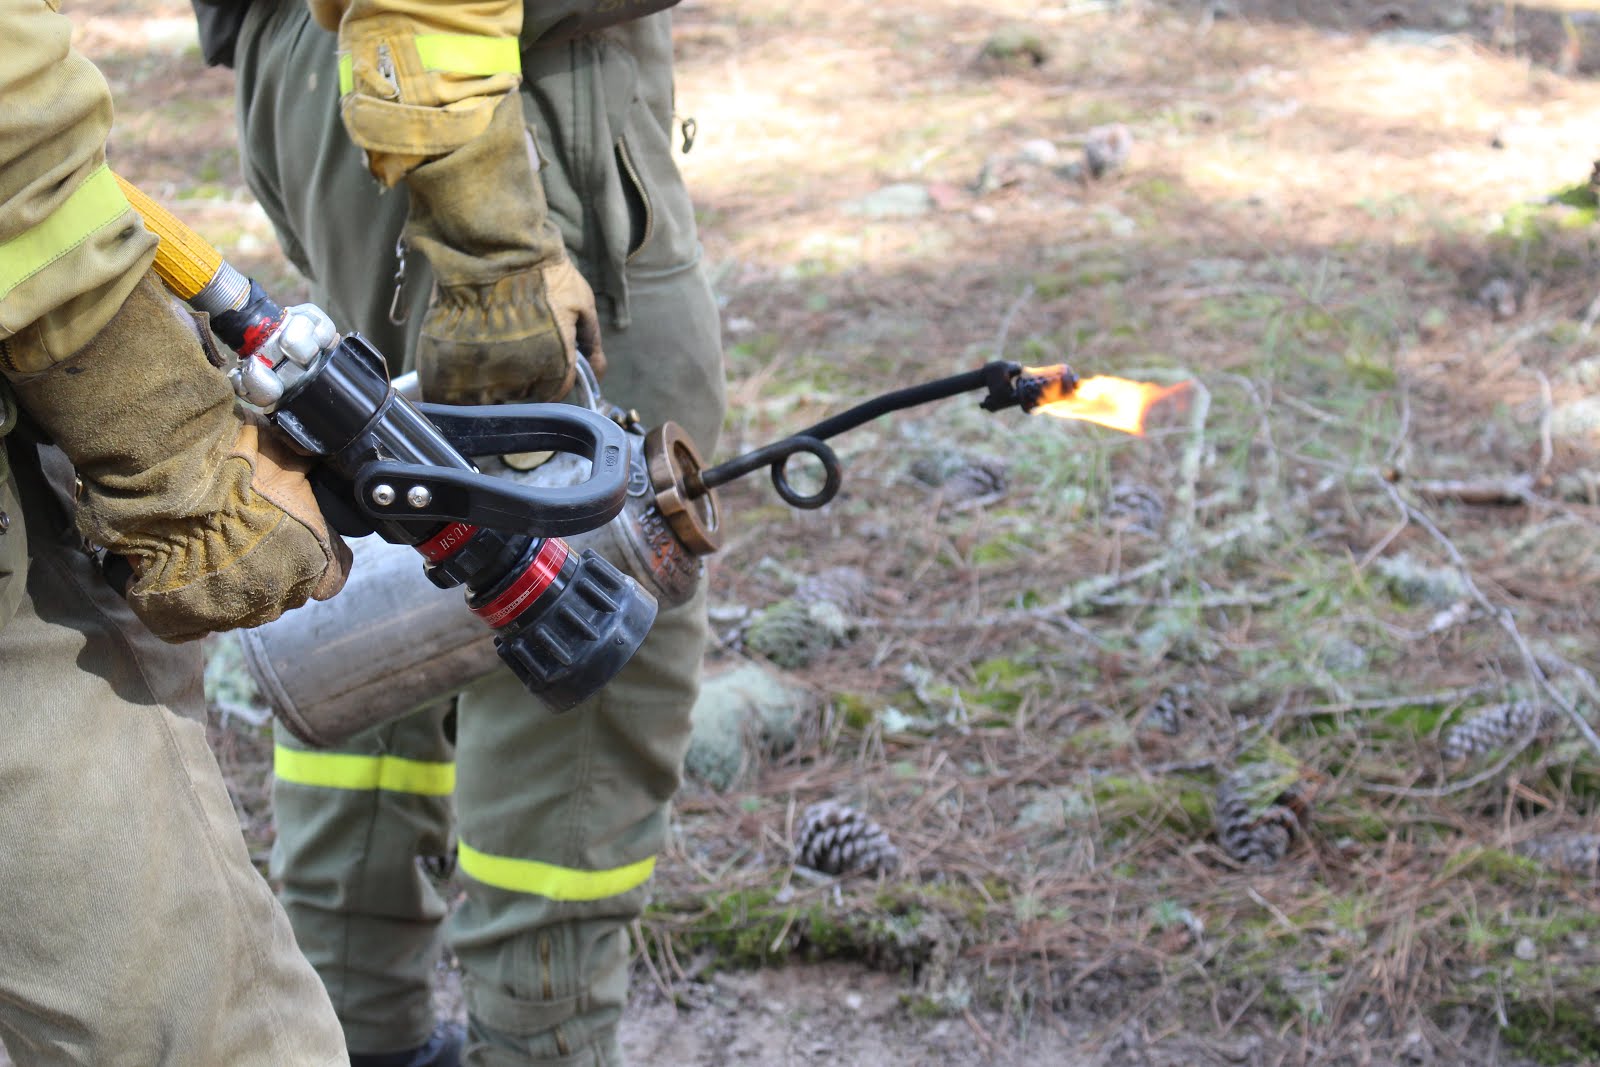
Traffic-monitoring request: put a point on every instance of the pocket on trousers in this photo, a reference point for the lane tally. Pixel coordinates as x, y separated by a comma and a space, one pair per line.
661, 229
641, 212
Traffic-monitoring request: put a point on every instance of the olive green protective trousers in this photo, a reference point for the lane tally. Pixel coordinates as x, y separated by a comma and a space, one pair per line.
136, 930
558, 818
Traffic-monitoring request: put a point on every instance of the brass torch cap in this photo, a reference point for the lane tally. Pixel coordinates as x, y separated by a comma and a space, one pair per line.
689, 508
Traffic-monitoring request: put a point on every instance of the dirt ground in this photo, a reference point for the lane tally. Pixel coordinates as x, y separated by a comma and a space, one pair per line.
1266, 738
826, 1013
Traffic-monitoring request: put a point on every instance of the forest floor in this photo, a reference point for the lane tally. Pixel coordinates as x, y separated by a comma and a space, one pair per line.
1264, 738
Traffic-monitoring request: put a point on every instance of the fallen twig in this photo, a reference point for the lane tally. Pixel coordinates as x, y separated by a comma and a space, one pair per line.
1444, 696
1512, 491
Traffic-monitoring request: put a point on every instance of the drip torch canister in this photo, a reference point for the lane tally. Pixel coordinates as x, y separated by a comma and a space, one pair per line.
564, 621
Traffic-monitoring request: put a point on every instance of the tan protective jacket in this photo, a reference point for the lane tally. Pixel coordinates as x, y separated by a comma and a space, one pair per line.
71, 249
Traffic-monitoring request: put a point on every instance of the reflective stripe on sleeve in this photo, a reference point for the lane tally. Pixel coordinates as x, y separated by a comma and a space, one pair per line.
458, 53
93, 205
342, 770
548, 880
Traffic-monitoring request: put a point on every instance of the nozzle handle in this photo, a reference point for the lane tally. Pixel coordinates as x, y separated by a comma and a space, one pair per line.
448, 494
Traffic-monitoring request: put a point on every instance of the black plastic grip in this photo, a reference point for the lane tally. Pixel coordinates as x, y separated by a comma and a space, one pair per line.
468, 496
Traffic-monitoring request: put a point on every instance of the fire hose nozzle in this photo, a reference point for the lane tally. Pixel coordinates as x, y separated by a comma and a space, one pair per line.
565, 622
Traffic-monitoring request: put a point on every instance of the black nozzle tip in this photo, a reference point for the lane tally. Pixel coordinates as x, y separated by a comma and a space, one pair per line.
577, 643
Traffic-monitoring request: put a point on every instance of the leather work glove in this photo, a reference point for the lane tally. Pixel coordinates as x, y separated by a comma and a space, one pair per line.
510, 312
216, 518
428, 90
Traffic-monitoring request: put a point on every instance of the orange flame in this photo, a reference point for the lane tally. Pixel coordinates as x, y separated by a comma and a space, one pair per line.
1115, 402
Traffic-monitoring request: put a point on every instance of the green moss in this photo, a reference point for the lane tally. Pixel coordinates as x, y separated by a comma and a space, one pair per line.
924, 1006
1565, 1032
738, 928
1361, 825
1230, 311
1174, 802
750, 928
1017, 44
1495, 865
1001, 684
856, 710
1002, 671
1053, 285
1416, 720
1092, 743
974, 907
1369, 368
1006, 547
1158, 192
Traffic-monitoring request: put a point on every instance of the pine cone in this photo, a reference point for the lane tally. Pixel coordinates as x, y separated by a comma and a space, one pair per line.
1171, 707
1260, 840
1573, 852
981, 479
1263, 805
1136, 508
1494, 727
837, 839
962, 478
843, 587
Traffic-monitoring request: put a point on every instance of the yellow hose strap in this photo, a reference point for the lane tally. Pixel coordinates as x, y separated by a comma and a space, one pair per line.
549, 881
94, 204
458, 53
342, 770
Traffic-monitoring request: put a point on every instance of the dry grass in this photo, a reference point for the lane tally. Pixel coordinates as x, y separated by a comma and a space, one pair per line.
1306, 228
1313, 211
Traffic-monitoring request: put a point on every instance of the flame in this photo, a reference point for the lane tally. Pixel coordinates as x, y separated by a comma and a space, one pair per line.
1115, 402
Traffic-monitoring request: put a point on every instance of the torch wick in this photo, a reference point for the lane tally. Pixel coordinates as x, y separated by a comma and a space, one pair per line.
999, 377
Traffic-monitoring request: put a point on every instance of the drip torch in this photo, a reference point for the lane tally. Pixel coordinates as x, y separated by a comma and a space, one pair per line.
563, 620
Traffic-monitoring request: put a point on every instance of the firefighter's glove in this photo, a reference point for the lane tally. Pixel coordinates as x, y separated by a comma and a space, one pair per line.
215, 517
510, 312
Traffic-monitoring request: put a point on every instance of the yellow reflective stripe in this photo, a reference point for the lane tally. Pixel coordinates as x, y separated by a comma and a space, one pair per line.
96, 203
342, 770
458, 53
548, 880
466, 54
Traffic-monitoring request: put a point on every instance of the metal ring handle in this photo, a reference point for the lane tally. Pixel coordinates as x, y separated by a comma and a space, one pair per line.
832, 477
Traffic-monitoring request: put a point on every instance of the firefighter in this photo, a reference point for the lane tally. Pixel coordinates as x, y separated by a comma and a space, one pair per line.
137, 931
523, 163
